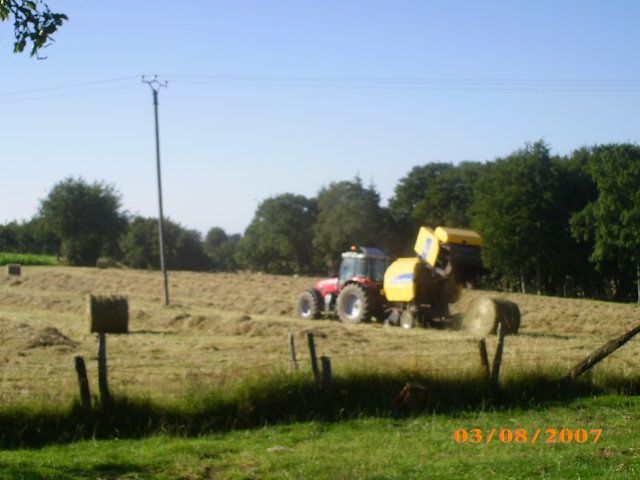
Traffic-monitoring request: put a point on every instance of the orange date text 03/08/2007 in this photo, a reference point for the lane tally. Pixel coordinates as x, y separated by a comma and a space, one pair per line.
523, 436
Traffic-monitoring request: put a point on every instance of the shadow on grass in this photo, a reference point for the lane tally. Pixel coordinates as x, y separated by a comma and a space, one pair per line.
279, 398
103, 470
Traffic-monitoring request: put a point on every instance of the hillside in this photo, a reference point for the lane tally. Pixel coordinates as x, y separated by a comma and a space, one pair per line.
221, 327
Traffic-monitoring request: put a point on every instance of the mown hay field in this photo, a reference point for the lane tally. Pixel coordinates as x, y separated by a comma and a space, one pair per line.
224, 327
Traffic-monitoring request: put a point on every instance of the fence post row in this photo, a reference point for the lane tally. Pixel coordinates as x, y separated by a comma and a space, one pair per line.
327, 377
314, 359
484, 359
83, 382
292, 349
497, 360
105, 396
324, 377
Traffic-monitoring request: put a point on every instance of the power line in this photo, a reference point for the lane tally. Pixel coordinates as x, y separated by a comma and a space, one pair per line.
415, 87
409, 79
68, 86
68, 94
475, 84
488, 84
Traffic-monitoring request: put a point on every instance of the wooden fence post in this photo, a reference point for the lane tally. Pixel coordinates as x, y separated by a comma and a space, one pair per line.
599, 354
83, 382
105, 397
327, 377
497, 360
292, 348
314, 359
484, 358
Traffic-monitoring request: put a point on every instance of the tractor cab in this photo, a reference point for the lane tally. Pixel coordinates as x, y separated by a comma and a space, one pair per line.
363, 265
358, 283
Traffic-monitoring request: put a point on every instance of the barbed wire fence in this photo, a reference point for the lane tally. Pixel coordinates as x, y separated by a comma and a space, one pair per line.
462, 357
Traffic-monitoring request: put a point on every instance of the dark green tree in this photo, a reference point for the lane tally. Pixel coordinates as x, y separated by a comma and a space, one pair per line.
215, 237
28, 237
612, 221
512, 209
33, 23
407, 206
184, 248
567, 265
87, 218
279, 238
348, 214
9, 237
411, 190
221, 249
139, 244
448, 196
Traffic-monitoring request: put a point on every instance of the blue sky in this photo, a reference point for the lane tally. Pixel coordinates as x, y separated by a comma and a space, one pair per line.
359, 96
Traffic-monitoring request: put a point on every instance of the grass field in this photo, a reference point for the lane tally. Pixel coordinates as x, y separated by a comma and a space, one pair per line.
369, 448
27, 259
222, 327
194, 370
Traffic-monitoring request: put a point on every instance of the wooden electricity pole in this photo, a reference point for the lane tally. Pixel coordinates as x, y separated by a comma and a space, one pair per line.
155, 86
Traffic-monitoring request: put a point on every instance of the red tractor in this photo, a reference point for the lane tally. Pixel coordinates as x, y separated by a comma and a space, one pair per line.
355, 294
408, 292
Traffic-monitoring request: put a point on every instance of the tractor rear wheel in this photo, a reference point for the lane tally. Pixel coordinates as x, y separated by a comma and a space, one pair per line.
354, 304
310, 304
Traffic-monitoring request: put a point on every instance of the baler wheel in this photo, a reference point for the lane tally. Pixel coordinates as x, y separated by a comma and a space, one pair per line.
408, 319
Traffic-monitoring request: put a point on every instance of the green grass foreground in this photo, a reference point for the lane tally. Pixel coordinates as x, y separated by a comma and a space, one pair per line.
27, 259
414, 447
288, 398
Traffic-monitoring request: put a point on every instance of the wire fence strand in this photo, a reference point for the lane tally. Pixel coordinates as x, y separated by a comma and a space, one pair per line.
20, 377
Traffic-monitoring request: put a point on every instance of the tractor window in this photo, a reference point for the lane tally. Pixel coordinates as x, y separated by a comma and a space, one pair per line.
347, 269
353, 267
378, 267
370, 268
362, 268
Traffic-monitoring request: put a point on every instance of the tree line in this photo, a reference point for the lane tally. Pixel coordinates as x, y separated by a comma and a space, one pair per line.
560, 225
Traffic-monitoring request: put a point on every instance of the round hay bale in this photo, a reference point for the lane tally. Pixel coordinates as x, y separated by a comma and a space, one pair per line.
484, 313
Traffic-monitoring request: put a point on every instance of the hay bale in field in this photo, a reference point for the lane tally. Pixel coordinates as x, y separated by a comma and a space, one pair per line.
484, 313
103, 263
106, 262
108, 314
14, 269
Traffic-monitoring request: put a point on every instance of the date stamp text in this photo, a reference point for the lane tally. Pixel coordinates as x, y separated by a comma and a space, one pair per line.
523, 436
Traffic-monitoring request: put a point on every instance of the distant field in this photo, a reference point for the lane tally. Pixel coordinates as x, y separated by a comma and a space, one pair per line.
224, 327
27, 259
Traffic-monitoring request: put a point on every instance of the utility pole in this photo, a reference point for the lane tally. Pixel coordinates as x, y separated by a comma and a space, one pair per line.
155, 86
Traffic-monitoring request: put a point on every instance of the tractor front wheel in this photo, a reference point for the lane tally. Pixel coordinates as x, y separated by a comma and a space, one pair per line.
310, 304
354, 304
